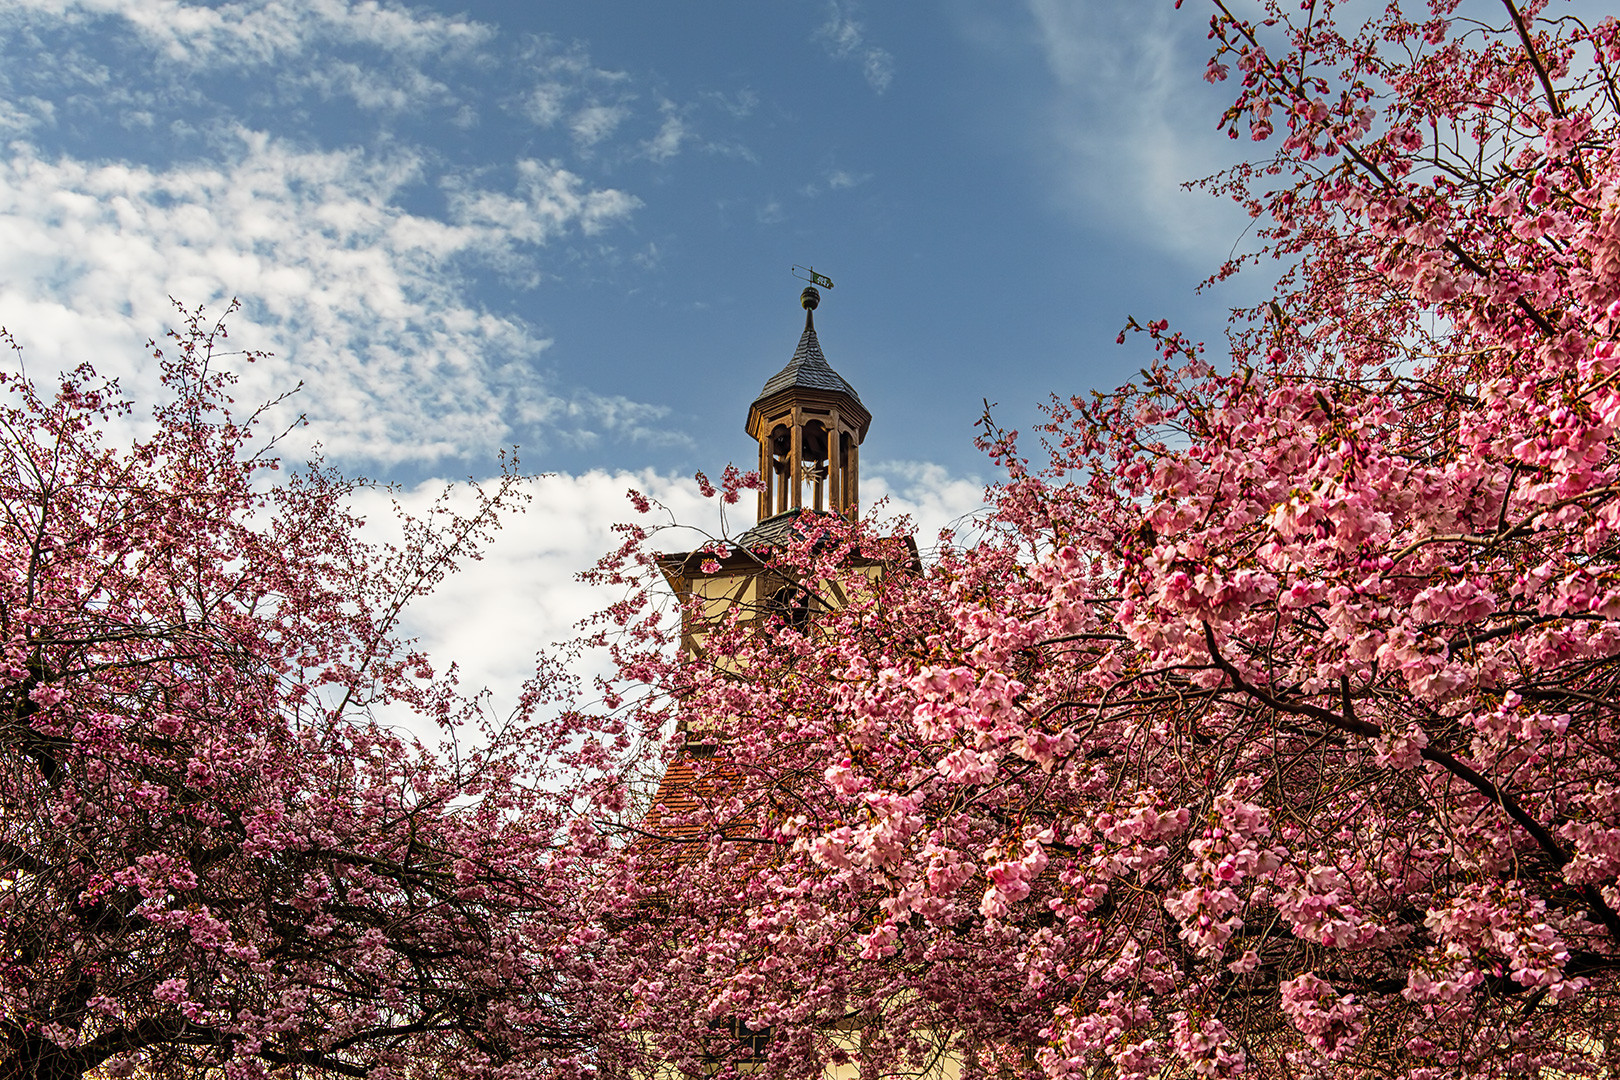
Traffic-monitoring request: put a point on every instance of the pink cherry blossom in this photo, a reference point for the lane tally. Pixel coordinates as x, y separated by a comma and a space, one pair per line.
1266, 725
215, 856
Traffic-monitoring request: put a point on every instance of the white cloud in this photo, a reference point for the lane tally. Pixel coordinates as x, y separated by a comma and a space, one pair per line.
545, 103
258, 32
835, 180
647, 258
548, 201
671, 133
377, 55
878, 67
738, 106
24, 114
845, 39
361, 266
930, 495
358, 297
378, 91
523, 596
1125, 129
596, 122
568, 84
628, 421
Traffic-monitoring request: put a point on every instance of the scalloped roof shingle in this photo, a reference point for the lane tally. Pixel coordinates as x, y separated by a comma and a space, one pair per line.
808, 369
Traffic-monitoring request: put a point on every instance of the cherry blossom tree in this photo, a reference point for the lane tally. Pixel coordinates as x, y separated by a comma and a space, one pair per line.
218, 852
1270, 725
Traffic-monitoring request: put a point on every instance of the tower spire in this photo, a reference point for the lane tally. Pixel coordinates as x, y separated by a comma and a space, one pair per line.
809, 424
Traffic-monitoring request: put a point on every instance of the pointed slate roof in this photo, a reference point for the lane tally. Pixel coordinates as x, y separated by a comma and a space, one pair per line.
808, 369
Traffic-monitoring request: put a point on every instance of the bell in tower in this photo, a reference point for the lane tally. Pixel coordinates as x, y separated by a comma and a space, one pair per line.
809, 424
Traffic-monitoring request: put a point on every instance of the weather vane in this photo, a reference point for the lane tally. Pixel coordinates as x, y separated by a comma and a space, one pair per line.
808, 273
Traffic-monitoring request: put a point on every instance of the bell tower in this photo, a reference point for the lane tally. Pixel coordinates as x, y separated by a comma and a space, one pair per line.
809, 424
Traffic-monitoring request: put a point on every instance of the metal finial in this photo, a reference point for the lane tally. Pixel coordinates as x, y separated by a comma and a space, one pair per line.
810, 299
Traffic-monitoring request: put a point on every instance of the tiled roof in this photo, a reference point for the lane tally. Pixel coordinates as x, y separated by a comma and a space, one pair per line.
776, 530
808, 369
678, 825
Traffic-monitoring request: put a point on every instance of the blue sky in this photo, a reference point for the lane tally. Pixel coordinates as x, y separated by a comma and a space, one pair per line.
569, 226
